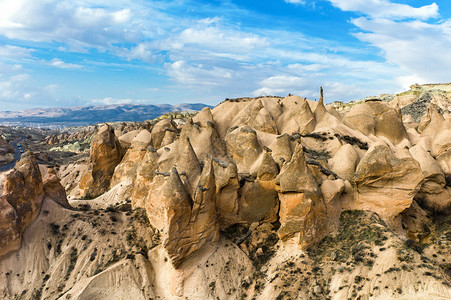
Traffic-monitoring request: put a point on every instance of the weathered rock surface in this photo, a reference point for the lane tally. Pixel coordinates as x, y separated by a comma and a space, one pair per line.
378, 118
302, 207
105, 154
22, 192
186, 223
288, 161
126, 170
433, 193
345, 162
20, 202
386, 184
241, 200
53, 188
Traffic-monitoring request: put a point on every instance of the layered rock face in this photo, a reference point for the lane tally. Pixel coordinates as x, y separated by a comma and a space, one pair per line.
287, 161
23, 191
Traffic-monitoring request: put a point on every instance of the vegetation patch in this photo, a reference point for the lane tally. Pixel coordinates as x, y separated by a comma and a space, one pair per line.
140, 233
353, 141
73, 256
358, 232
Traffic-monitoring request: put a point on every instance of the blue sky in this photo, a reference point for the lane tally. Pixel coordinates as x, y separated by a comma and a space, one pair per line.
93, 52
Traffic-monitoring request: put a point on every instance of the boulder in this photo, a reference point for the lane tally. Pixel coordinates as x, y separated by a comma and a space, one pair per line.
227, 193
126, 139
431, 122
332, 191
433, 193
377, 118
159, 131
169, 207
386, 184
256, 116
53, 188
283, 149
259, 201
182, 156
145, 173
296, 116
345, 162
205, 139
126, 169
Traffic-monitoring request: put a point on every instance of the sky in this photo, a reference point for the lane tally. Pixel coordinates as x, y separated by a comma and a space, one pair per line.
62, 53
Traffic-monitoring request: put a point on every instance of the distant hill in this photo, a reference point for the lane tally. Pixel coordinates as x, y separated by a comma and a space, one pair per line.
89, 115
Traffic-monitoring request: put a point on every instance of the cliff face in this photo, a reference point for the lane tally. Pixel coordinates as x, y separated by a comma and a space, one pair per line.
257, 190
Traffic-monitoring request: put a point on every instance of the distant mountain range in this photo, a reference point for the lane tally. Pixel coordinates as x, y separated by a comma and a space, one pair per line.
89, 115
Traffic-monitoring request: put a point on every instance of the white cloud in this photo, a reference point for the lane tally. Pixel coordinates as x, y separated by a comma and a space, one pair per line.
17, 92
198, 75
218, 39
210, 21
66, 22
111, 101
387, 9
58, 63
7, 69
281, 85
281, 82
419, 48
295, 1
407, 80
9, 52
302, 68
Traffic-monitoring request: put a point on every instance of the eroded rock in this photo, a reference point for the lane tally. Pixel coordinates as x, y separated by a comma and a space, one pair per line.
105, 154
386, 184
20, 202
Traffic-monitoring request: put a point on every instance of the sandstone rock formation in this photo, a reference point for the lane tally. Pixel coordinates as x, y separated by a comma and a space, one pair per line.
269, 165
105, 154
21, 199
127, 168
242, 199
53, 188
6, 151
377, 118
302, 207
22, 193
186, 222
386, 184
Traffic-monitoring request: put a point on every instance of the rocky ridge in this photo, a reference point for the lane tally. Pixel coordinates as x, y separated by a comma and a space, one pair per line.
262, 182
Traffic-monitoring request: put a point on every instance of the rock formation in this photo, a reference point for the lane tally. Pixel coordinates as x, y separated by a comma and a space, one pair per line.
386, 184
105, 154
260, 191
22, 193
53, 188
270, 160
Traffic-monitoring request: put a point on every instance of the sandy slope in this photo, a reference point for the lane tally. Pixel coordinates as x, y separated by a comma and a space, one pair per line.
99, 254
